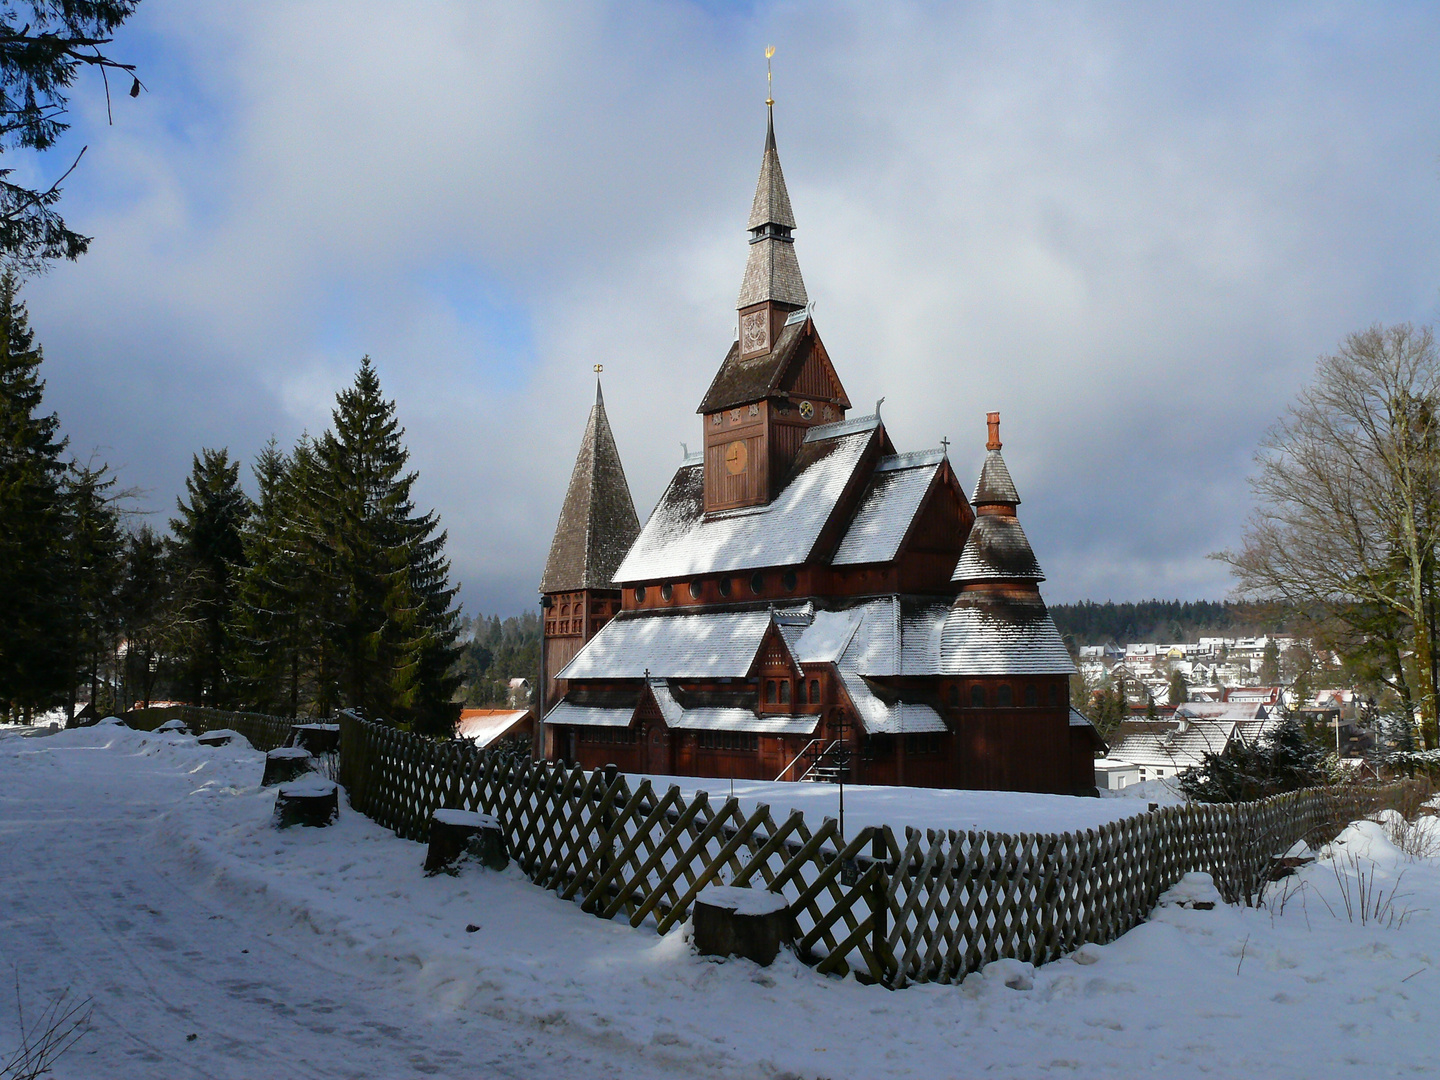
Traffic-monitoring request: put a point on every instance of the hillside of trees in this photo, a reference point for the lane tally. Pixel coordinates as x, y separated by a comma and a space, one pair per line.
1089, 623
496, 651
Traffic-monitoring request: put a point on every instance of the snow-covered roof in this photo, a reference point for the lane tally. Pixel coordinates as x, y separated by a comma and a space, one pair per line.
589, 715
713, 719
997, 550
888, 507
879, 717
484, 726
681, 540
709, 645
1012, 638
1167, 746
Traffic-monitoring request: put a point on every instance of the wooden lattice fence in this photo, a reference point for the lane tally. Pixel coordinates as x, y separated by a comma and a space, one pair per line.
933, 908
263, 732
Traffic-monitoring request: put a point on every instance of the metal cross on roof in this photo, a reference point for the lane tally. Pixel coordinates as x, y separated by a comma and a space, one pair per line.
945, 444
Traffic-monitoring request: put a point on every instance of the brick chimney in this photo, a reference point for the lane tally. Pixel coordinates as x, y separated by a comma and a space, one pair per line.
993, 419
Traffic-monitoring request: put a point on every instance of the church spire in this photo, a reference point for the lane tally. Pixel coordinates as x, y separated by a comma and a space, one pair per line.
598, 521
772, 273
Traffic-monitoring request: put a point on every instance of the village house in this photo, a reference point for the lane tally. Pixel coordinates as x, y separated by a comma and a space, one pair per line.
805, 601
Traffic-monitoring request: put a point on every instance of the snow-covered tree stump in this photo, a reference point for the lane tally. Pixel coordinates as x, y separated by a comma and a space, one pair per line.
317, 738
176, 726
312, 801
285, 764
732, 921
218, 737
454, 833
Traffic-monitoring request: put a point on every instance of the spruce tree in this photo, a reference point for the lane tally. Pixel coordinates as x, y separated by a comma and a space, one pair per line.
144, 603
32, 647
208, 553
1179, 689
267, 611
385, 599
88, 599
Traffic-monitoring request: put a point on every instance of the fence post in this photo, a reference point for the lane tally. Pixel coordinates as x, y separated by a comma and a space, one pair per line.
880, 905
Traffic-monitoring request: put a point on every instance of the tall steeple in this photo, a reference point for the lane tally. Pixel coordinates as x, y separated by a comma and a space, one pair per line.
772, 272
598, 521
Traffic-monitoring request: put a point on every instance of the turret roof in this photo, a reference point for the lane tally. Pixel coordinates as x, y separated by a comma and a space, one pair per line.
598, 522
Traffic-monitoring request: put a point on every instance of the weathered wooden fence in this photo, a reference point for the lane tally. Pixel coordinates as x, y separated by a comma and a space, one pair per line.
264, 732
932, 907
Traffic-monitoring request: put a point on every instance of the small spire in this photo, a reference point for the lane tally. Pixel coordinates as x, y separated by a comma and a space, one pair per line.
771, 272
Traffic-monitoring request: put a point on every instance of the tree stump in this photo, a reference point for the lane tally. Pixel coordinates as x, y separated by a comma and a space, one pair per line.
312, 801
454, 833
218, 737
285, 764
317, 738
752, 923
177, 726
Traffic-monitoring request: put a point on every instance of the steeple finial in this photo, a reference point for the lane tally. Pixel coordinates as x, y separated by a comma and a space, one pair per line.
769, 79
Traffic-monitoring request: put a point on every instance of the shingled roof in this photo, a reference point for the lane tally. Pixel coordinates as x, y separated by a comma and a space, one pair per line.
739, 382
771, 271
997, 550
598, 521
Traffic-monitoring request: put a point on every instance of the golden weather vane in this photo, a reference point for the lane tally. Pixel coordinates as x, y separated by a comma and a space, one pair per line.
599, 368
769, 79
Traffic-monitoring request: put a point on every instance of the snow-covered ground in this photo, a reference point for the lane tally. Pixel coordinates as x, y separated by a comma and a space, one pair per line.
142, 871
926, 808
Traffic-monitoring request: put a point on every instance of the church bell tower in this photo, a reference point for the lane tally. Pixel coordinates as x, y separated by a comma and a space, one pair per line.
777, 380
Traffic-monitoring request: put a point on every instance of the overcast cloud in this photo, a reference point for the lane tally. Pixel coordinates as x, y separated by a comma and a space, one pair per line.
1130, 229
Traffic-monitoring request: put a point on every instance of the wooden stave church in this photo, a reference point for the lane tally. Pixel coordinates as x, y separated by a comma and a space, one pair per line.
803, 600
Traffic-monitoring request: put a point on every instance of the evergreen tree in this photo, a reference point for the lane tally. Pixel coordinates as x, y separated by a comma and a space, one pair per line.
268, 612
33, 670
1284, 760
1270, 664
144, 603
88, 601
384, 596
208, 552
1179, 689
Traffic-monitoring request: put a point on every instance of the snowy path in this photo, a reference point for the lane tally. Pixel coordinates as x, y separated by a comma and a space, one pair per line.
90, 903
143, 871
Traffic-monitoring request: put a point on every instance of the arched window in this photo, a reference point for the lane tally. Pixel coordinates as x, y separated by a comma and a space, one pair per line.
977, 696
1032, 695
784, 691
1004, 696
769, 691
800, 692
954, 695
814, 691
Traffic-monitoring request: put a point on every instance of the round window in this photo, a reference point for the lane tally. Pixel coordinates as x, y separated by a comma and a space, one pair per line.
694, 590
757, 583
724, 586
789, 580
665, 591
640, 594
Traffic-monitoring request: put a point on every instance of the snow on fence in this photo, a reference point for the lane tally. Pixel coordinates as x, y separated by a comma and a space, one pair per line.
931, 909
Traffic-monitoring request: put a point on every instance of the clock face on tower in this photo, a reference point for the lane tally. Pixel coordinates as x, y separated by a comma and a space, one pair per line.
735, 457
755, 331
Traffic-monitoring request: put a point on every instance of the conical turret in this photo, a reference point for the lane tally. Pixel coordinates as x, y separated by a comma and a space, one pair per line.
997, 549
598, 521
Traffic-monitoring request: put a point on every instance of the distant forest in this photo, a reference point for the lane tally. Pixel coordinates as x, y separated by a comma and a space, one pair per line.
498, 650
1089, 623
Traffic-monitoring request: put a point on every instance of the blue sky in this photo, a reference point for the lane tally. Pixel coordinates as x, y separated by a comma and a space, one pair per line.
1131, 228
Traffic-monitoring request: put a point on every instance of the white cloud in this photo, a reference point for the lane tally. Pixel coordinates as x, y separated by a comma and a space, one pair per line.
1131, 233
